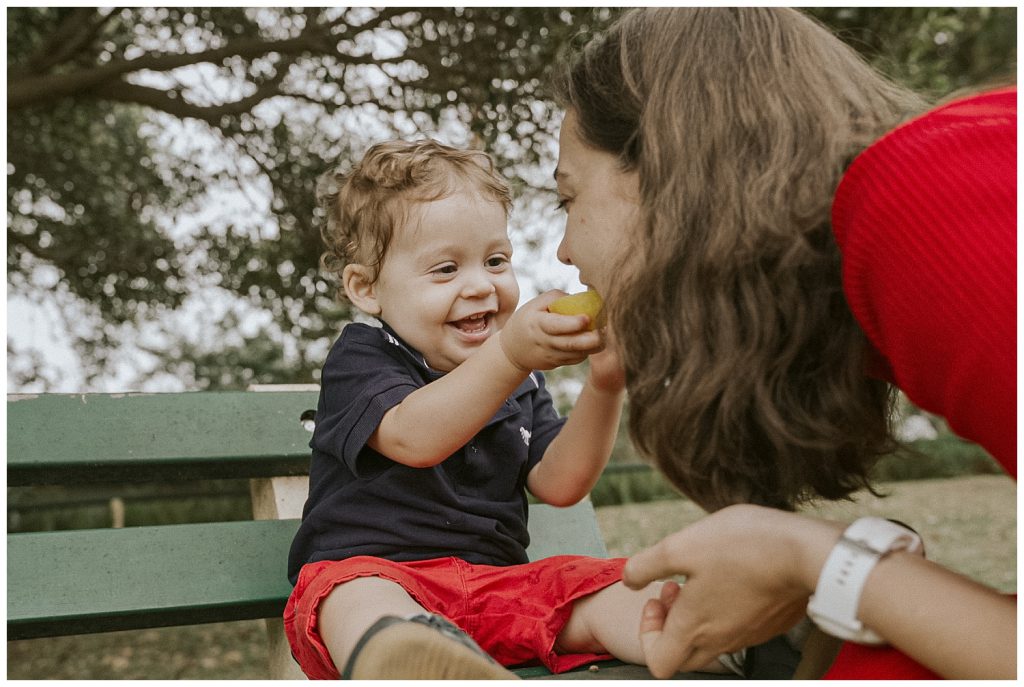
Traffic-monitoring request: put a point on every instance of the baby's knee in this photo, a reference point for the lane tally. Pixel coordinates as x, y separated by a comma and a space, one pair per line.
352, 607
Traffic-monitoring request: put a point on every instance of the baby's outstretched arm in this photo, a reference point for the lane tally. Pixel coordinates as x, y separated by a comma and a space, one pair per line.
468, 396
573, 462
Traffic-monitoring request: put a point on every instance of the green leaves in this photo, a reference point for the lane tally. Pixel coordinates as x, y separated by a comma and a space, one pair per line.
935, 50
86, 193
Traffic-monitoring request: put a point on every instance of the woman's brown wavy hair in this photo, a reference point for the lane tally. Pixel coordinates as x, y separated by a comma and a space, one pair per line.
745, 366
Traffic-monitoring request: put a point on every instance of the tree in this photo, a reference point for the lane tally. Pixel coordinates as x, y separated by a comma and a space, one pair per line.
95, 195
128, 128
934, 50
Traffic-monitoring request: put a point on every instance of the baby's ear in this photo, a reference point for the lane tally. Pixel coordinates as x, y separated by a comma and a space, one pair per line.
359, 287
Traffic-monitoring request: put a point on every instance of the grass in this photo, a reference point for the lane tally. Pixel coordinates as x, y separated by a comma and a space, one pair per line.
633, 481
968, 523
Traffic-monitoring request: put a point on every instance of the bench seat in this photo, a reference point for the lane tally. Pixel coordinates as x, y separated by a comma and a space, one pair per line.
84, 581
88, 581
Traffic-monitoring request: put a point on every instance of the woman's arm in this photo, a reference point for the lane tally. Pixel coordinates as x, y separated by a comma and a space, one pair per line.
751, 570
956, 627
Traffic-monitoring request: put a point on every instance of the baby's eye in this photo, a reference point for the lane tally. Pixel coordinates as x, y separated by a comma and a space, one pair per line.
497, 261
445, 269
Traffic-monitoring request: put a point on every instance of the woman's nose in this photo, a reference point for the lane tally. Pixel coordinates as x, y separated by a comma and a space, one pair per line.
563, 252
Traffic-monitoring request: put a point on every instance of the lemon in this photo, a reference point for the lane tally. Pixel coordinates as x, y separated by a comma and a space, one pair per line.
587, 303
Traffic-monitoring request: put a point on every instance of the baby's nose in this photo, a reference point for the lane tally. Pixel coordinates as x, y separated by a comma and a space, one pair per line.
477, 285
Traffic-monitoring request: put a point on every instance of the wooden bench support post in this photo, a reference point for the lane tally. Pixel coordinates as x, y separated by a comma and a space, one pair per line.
277, 499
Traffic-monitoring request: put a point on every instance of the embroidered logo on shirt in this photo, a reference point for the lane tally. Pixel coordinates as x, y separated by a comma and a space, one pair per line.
392, 339
525, 434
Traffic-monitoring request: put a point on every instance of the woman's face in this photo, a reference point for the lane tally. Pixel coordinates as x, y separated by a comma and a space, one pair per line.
601, 205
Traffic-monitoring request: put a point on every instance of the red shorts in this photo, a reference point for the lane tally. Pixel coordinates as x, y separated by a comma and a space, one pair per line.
514, 613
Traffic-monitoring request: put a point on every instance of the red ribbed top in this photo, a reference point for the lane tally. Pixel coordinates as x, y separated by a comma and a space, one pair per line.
926, 221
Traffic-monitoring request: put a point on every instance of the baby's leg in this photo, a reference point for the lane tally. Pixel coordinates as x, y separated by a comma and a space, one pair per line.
608, 621
410, 645
351, 608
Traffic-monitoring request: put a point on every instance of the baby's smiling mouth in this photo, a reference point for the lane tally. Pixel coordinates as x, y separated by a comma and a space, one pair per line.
474, 324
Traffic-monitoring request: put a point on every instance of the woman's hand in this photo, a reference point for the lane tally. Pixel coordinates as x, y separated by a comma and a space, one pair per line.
606, 373
749, 573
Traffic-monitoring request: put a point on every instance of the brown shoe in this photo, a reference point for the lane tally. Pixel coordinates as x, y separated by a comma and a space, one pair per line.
424, 647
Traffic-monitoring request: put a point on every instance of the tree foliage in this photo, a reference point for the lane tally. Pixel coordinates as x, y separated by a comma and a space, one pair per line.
934, 50
127, 128
276, 96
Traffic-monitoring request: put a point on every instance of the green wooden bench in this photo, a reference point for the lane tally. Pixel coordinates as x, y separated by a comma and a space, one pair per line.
100, 580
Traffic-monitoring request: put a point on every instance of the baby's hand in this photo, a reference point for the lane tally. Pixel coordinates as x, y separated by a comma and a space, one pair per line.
535, 339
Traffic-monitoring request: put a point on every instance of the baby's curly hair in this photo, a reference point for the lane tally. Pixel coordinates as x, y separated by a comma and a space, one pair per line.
364, 206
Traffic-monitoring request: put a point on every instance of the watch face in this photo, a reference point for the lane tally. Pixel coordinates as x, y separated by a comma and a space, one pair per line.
883, 536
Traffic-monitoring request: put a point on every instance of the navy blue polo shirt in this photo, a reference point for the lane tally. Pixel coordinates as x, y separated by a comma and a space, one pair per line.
472, 505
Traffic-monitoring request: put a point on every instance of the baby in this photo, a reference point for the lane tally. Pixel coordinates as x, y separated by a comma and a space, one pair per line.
410, 561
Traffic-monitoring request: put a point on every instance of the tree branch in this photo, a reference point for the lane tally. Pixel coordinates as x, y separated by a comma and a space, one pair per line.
27, 91
158, 99
75, 32
382, 16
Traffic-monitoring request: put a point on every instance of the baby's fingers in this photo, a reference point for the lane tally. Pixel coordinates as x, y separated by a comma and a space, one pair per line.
575, 339
559, 325
663, 653
666, 640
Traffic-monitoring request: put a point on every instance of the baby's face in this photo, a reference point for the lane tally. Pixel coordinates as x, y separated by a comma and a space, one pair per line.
447, 283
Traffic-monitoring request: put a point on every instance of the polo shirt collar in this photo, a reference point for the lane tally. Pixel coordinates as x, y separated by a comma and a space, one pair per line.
528, 385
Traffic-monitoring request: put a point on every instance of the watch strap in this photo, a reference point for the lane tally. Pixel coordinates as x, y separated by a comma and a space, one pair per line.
836, 599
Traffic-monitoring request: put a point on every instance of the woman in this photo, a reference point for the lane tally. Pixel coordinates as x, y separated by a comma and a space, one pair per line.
762, 327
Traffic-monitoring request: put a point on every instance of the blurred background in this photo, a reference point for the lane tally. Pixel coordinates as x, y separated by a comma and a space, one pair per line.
161, 230
162, 236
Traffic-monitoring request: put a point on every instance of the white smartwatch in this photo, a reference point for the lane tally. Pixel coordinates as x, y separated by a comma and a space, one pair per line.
833, 607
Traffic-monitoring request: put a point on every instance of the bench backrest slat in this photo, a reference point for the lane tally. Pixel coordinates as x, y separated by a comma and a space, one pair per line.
58, 438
